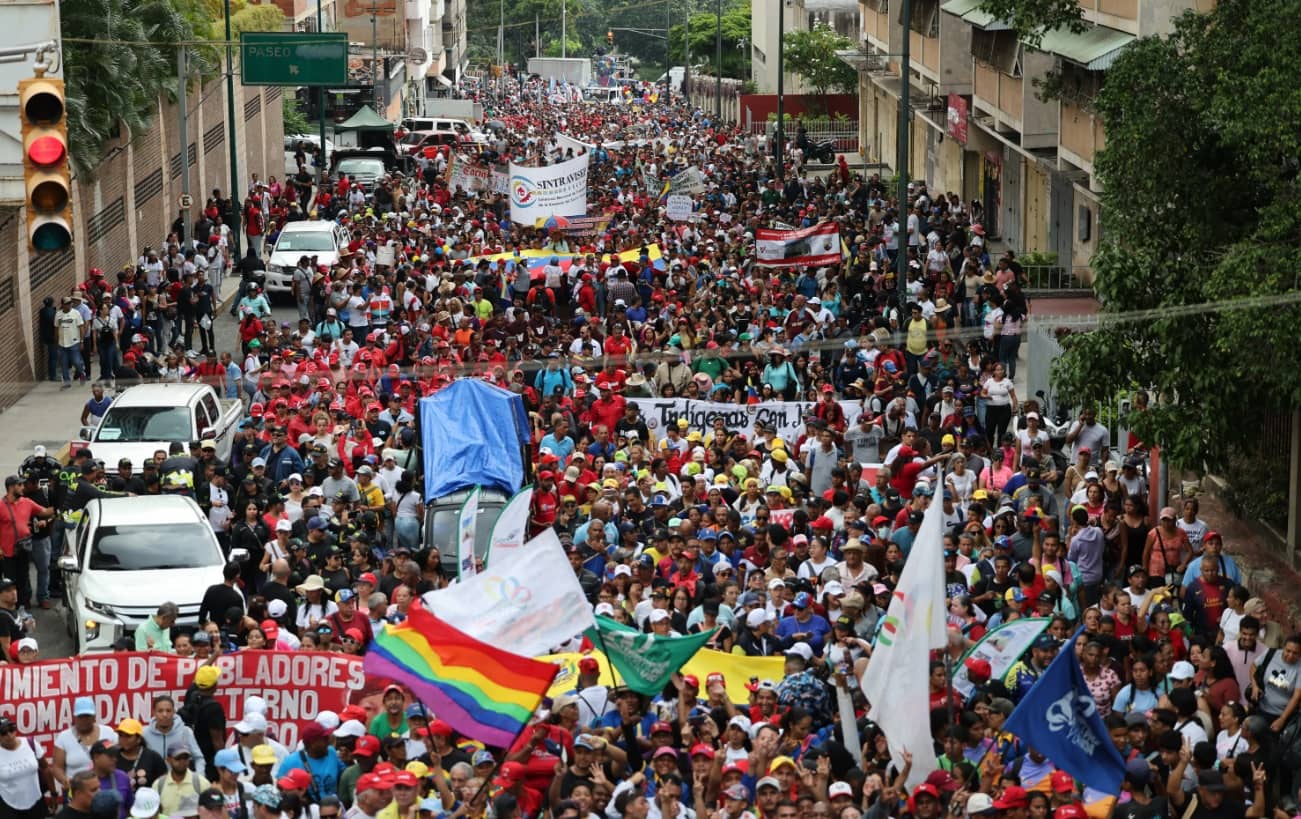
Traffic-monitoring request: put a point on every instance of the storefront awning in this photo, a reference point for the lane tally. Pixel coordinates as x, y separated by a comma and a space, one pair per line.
1095, 49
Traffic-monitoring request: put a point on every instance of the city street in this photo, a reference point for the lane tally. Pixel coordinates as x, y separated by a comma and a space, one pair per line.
50, 417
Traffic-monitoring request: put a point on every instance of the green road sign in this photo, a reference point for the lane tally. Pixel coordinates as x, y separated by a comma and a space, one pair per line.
298, 58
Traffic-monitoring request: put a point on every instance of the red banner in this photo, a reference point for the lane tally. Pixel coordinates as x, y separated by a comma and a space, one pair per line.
957, 119
813, 246
297, 685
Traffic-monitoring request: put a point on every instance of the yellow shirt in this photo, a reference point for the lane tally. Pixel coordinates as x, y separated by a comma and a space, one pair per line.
180, 799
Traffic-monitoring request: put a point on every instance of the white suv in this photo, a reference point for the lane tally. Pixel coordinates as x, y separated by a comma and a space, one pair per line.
131, 555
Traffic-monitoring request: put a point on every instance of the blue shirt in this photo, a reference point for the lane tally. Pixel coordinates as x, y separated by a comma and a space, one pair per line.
1228, 570
560, 448
325, 771
816, 626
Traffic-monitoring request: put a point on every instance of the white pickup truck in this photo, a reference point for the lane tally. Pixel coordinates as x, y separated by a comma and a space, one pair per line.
149, 417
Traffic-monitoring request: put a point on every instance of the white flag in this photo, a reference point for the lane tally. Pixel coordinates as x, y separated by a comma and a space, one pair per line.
525, 602
465, 531
511, 527
914, 624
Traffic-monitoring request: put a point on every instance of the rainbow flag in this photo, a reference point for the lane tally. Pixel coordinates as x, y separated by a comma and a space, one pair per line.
483, 692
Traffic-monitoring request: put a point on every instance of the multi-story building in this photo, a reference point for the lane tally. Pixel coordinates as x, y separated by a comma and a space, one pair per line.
979, 126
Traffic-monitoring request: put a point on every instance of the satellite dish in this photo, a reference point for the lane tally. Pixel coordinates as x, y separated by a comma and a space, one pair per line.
417, 55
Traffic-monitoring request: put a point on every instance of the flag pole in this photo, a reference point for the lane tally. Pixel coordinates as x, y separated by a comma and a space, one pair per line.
497, 763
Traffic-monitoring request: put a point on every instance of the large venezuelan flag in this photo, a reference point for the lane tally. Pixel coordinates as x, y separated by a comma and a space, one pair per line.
483, 692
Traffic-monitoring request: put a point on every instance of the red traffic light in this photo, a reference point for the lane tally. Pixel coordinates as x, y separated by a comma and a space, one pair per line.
46, 150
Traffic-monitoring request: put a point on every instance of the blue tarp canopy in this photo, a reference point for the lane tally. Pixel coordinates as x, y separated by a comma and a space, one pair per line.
472, 433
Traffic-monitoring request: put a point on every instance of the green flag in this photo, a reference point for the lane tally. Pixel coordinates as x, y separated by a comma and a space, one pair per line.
645, 662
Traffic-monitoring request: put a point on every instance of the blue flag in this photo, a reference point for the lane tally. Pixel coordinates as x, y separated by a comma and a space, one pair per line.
1059, 718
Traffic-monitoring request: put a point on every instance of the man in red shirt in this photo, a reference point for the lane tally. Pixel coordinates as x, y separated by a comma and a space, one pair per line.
16, 513
544, 505
905, 470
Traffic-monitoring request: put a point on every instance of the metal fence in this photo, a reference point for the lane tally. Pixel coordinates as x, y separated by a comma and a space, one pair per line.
1056, 277
1041, 350
843, 131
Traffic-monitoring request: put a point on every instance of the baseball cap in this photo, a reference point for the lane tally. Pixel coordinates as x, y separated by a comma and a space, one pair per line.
979, 803
83, 707
840, 789
1013, 797
802, 650
767, 782
228, 758
1062, 782
147, 803
131, 727
1183, 670
366, 745
263, 755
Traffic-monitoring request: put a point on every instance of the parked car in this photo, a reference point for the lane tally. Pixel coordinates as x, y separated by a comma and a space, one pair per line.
315, 237
149, 417
131, 555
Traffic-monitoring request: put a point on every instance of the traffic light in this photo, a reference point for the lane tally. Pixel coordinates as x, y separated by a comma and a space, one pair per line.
609, 36
43, 112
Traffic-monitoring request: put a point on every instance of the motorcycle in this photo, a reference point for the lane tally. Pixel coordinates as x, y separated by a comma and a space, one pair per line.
824, 152
1056, 423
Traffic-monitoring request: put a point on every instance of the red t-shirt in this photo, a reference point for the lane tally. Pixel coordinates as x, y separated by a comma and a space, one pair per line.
15, 522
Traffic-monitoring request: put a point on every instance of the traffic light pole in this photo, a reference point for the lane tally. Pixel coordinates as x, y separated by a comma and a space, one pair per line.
183, 130
234, 152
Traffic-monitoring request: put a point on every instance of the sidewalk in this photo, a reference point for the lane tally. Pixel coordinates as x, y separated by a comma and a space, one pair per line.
51, 416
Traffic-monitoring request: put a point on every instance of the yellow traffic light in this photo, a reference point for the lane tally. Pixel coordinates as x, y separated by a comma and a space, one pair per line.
43, 113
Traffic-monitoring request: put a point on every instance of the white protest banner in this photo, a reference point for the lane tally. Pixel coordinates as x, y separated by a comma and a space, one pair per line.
465, 530
556, 190
786, 416
500, 180
817, 245
384, 256
688, 180
469, 177
525, 603
509, 531
568, 143
678, 207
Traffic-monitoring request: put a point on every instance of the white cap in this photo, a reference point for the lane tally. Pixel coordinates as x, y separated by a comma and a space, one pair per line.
722, 563
295, 477
39, 451
979, 803
1183, 670
254, 723
605, 609
756, 618
801, 649
258, 461
283, 525
28, 642
622, 569
351, 728
776, 583
659, 615
833, 587
327, 720
253, 704
277, 608
147, 804
839, 789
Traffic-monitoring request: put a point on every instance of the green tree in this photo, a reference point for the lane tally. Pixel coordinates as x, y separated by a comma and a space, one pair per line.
1200, 235
294, 119
701, 30
119, 58
812, 55
1031, 18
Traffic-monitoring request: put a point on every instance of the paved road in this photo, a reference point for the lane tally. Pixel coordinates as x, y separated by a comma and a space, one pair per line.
49, 416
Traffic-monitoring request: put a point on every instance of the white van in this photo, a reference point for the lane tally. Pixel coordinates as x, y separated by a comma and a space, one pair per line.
611, 94
313, 237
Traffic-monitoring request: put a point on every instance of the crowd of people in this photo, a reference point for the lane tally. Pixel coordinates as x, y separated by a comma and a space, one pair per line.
783, 546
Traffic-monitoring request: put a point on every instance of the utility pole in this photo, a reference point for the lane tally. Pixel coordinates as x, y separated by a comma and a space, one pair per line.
501, 37
374, 55
668, 46
564, 29
901, 154
182, 129
230, 137
718, 58
320, 101
780, 143
537, 36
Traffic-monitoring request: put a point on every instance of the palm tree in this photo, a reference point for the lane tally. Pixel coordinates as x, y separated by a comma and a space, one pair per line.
121, 58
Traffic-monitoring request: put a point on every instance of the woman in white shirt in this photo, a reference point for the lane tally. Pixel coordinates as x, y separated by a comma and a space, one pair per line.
72, 745
1027, 436
818, 560
20, 775
1000, 403
960, 480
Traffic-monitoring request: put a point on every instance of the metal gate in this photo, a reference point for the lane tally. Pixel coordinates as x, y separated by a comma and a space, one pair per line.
1062, 219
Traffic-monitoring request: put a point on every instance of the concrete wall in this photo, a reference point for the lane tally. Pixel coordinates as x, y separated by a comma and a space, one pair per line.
130, 202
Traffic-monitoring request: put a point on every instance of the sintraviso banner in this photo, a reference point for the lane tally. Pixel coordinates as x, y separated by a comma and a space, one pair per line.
556, 190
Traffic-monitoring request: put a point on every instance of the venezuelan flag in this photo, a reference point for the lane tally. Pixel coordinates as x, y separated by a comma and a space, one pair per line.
483, 692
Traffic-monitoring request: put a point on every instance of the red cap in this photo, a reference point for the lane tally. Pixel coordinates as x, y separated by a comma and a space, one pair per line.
589, 665
715, 677
1013, 797
439, 728
353, 712
978, 669
270, 629
368, 577
661, 727
302, 779
286, 783
384, 769
322, 383
926, 789
355, 634
942, 780
823, 522
691, 680
1071, 811
374, 782
546, 475
366, 745
508, 774
702, 749
1062, 782
405, 779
